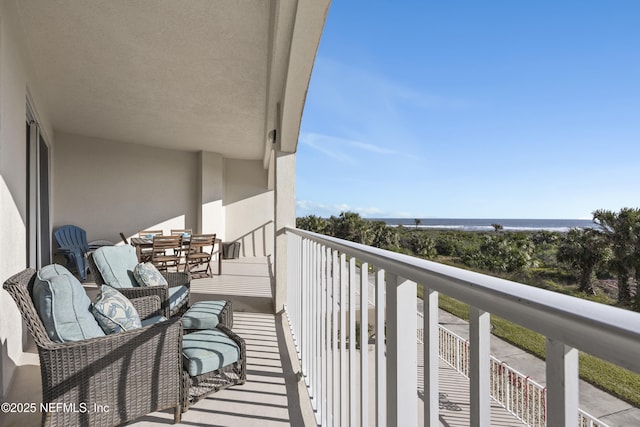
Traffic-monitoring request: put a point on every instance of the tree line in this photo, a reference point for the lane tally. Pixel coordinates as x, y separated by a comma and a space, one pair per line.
610, 249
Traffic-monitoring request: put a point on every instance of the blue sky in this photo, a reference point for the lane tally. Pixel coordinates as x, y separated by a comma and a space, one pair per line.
473, 109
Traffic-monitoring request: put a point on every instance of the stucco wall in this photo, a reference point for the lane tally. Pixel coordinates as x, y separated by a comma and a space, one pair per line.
248, 207
108, 187
16, 77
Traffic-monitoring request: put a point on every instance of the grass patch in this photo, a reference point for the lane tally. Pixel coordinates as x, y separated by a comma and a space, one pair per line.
613, 379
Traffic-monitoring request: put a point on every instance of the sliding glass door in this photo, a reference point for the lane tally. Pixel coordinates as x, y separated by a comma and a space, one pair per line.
38, 191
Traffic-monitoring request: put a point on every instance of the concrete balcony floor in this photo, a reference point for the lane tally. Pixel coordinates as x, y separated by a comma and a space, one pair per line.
272, 395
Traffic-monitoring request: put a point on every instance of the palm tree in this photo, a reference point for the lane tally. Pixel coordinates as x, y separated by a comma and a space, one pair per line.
418, 222
621, 230
312, 223
350, 226
383, 236
584, 250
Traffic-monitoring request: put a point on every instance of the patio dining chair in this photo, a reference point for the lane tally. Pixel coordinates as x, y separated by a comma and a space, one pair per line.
186, 235
181, 231
199, 254
167, 252
150, 233
145, 253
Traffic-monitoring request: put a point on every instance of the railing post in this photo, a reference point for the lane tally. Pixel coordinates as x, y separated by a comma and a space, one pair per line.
402, 363
364, 344
319, 333
335, 382
562, 384
352, 342
302, 323
323, 335
344, 397
381, 379
430, 340
479, 343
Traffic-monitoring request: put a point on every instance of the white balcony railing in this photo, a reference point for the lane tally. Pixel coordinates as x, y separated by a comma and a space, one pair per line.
324, 275
516, 392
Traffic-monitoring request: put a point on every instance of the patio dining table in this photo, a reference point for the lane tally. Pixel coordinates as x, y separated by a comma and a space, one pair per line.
141, 243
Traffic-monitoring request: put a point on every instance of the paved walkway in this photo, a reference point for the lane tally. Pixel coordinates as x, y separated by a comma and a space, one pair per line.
607, 408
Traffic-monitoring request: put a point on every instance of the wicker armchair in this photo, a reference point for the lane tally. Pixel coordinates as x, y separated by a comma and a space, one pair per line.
173, 278
132, 373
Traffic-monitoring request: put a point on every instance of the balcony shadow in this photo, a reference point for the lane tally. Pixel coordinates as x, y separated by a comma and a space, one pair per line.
271, 394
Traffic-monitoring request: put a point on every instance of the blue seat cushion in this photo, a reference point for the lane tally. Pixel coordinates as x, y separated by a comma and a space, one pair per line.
116, 265
203, 315
153, 320
177, 295
207, 351
63, 305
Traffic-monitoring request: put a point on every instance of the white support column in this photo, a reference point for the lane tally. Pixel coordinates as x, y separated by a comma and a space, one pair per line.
210, 215
562, 384
285, 216
402, 360
431, 359
479, 346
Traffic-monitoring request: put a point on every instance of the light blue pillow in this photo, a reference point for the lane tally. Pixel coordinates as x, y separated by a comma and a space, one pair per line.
63, 305
114, 312
116, 265
147, 274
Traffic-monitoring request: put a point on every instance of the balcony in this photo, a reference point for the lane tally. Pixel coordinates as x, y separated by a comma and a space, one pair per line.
325, 307
302, 372
203, 104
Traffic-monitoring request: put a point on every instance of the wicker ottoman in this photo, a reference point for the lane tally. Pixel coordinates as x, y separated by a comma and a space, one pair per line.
213, 359
207, 315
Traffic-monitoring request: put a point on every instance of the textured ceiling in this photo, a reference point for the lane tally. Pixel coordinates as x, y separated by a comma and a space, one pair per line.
179, 74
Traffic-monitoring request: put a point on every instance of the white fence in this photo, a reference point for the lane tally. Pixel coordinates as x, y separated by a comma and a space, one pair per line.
517, 393
323, 275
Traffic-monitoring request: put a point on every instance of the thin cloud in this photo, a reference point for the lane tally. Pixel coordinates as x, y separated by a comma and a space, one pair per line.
341, 149
312, 142
370, 110
336, 79
369, 147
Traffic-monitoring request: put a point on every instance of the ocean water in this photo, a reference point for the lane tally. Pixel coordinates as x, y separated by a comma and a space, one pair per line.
485, 224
